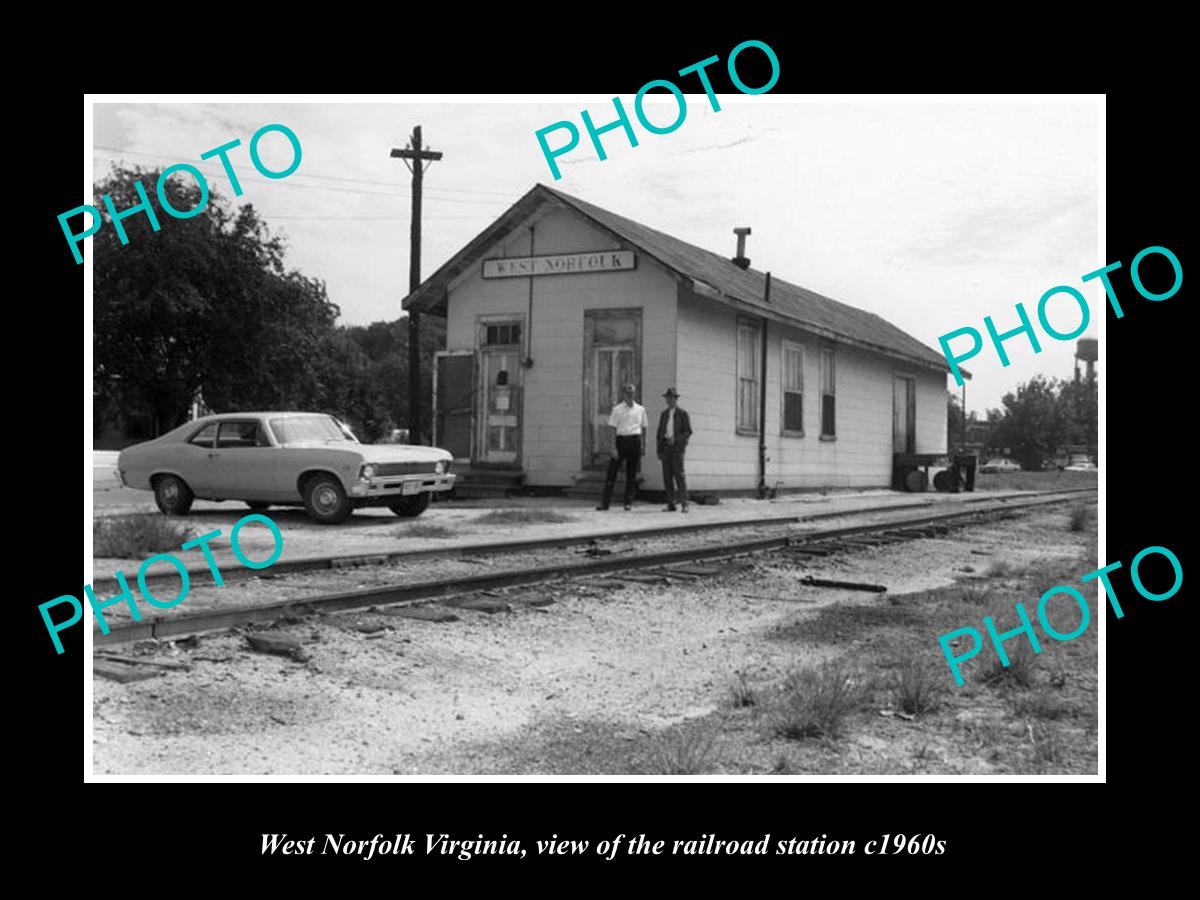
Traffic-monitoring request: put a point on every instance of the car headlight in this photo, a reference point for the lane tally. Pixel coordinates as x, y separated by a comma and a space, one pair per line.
367, 471
439, 469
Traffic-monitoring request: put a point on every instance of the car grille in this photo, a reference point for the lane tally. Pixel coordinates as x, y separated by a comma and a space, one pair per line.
382, 470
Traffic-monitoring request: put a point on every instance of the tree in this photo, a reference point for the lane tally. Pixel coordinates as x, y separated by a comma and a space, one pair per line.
1080, 407
1042, 415
956, 422
204, 306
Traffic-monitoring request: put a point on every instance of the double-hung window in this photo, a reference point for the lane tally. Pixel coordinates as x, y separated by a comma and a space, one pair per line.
793, 389
828, 404
748, 373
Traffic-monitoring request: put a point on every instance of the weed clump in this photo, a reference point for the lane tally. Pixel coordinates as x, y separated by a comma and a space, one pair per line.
1042, 705
686, 752
917, 685
1018, 673
426, 530
1079, 518
741, 694
522, 517
123, 537
814, 702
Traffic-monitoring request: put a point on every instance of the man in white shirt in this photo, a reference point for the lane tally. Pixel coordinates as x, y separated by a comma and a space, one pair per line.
629, 420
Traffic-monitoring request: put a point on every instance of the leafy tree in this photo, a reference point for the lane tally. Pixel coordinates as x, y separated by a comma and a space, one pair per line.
955, 422
1042, 415
205, 307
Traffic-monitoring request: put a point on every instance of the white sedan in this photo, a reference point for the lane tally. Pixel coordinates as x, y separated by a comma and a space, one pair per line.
284, 459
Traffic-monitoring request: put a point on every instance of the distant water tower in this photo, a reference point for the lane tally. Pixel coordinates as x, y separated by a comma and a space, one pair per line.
1086, 350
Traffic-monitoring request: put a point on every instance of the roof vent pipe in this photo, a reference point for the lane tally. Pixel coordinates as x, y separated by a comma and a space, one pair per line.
740, 260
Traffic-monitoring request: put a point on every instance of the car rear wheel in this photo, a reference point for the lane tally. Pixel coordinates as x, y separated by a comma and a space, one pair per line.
410, 507
257, 505
325, 500
173, 496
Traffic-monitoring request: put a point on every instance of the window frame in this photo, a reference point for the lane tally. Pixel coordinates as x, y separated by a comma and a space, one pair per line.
756, 367
786, 347
259, 435
829, 390
212, 445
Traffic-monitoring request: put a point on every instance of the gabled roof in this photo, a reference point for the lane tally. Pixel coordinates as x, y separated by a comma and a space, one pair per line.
714, 277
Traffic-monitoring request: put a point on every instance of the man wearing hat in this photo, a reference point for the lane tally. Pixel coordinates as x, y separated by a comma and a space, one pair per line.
674, 429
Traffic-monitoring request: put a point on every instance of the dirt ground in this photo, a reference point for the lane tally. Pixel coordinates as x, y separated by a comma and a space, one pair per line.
617, 677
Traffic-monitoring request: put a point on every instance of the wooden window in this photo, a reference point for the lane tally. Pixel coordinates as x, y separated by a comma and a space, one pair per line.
828, 404
505, 334
793, 389
748, 368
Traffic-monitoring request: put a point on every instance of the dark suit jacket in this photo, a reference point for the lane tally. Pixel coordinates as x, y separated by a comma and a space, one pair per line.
683, 429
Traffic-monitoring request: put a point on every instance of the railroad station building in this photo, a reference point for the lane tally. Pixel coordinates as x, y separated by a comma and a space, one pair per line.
558, 303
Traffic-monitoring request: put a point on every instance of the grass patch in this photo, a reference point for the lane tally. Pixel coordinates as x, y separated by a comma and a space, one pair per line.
1049, 747
686, 752
741, 694
426, 530
782, 766
1018, 673
1042, 705
1079, 517
1003, 568
917, 685
843, 621
814, 702
977, 593
522, 517
122, 537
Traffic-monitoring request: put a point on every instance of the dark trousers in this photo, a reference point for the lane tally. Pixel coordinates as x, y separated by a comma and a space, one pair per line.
674, 479
629, 451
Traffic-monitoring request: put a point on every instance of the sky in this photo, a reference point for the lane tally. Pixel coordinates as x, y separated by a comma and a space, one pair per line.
932, 215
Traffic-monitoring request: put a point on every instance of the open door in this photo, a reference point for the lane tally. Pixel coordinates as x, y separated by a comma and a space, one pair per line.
454, 388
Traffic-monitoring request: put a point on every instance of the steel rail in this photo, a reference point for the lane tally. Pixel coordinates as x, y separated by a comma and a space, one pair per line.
202, 574
408, 594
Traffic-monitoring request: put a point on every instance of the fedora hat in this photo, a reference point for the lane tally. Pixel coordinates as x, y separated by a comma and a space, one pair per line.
670, 392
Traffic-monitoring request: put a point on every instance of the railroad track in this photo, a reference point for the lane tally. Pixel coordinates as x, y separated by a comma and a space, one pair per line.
202, 574
662, 566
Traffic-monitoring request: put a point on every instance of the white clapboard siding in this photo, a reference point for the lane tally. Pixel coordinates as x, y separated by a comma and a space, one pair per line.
719, 458
552, 421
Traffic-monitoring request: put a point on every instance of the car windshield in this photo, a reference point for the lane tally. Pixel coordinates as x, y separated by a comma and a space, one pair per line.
293, 429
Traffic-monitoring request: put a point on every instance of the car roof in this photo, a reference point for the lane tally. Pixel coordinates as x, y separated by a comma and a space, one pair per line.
218, 417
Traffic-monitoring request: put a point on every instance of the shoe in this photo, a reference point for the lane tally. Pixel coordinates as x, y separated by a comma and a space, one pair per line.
628, 507
601, 508
683, 508
669, 508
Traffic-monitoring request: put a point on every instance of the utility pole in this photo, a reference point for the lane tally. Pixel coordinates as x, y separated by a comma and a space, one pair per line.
417, 155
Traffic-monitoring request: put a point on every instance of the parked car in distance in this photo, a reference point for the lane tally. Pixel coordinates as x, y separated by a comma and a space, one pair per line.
284, 459
1085, 466
999, 465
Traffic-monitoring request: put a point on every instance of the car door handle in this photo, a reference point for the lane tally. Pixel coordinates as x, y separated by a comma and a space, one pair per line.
211, 455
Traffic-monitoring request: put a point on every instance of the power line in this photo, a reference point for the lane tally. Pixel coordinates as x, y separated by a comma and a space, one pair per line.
342, 190
270, 218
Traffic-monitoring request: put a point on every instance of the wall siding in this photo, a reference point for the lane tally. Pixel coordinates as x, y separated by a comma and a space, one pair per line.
861, 456
552, 421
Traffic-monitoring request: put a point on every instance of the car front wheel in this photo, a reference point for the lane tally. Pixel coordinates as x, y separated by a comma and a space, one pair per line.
325, 500
173, 496
410, 507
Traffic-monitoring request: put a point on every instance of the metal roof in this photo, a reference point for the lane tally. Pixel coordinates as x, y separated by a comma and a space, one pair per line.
714, 277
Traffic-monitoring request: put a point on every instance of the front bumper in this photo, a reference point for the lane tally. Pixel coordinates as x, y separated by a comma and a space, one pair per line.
401, 485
